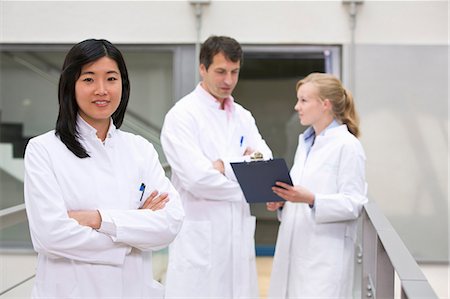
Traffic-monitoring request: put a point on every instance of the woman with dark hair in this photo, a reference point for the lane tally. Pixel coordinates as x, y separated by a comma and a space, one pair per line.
315, 246
96, 197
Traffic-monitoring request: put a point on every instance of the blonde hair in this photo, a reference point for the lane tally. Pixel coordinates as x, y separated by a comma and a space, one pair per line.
343, 106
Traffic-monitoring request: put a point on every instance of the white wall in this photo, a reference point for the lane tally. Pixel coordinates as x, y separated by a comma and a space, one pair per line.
402, 94
307, 22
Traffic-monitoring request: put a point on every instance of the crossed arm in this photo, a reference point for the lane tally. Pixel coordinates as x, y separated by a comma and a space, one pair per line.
93, 219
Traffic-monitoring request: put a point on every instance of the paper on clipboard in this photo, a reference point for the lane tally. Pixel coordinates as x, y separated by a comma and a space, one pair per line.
257, 178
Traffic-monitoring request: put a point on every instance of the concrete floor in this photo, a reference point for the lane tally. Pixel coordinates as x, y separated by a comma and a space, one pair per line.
437, 275
264, 267
17, 267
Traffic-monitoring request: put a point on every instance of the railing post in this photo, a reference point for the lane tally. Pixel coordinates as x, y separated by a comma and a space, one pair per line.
377, 269
383, 253
385, 273
403, 295
369, 257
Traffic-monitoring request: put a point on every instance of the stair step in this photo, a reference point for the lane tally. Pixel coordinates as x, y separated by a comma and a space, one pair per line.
13, 166
19, 147
10, 131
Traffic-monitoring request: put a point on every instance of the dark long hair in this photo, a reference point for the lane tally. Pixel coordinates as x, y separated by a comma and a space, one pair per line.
230, 48
79, 55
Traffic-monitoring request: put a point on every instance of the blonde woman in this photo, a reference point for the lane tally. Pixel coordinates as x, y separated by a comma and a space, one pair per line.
315, 246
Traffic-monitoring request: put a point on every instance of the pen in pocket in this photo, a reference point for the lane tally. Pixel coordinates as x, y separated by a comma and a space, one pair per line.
241, 141
142, 189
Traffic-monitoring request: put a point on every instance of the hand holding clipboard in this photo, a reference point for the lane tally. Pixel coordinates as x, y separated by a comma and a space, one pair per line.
257, 178
294, 193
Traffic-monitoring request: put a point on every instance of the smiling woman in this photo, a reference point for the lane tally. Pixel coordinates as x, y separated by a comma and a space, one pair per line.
98, 91
109, 226
93, 70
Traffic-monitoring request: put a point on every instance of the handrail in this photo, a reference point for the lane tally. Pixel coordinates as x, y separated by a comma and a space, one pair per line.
148, 124
12, 215
17, 284
44, 74
137, 125
383, 253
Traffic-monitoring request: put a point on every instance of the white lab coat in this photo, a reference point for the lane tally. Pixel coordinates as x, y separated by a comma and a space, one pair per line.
315, 247
214, 254
115, 261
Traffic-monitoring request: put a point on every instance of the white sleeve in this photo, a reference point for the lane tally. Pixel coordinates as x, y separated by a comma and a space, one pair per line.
347, 203
195, 171
256, 142
52, 231
146, 229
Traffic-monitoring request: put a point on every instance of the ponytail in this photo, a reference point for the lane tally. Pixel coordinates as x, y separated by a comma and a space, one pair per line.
350, 116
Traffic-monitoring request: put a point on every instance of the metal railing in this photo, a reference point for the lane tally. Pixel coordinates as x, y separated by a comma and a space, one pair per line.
383, 255
9, 217
12, 215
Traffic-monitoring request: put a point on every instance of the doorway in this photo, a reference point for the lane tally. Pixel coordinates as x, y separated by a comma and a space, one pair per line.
267, 88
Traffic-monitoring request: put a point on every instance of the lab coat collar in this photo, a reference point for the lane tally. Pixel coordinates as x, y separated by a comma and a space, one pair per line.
310, 133
209, 100
86, 131
335, 131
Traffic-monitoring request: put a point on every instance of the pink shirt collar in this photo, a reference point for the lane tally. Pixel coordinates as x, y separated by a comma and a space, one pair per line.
213, 102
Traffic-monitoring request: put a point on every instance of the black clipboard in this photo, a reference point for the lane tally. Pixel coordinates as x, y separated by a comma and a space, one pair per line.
257, 178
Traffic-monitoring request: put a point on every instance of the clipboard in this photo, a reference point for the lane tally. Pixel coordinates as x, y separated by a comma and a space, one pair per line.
257, 178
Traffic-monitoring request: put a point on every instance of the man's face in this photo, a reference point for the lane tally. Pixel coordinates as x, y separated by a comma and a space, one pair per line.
221, 77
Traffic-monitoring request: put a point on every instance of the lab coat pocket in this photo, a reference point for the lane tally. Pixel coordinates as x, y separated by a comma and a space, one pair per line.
140, 194
55, 278
327, 248
155, 290
136, 201
51, 289
193, 244
249, 236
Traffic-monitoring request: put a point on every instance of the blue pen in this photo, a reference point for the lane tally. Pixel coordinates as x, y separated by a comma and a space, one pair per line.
242, 141
142, 188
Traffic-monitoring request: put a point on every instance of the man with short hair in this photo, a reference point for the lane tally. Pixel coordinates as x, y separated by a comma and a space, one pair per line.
214, 253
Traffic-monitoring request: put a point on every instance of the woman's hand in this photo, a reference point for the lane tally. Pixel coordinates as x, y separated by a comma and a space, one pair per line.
155, 202
293, 193
89, 218
274, 205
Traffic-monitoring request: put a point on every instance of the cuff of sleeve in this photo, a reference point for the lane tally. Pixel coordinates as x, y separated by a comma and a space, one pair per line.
229, 173
280, 214
107, 227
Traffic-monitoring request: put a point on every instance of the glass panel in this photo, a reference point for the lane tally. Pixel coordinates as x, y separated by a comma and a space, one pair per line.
29, 107
16, 237
151, 86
